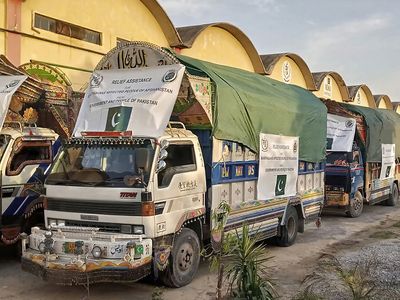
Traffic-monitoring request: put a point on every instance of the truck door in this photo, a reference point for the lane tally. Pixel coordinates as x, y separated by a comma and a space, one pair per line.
179, 188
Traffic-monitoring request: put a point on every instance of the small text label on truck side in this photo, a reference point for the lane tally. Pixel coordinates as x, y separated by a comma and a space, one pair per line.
128, 195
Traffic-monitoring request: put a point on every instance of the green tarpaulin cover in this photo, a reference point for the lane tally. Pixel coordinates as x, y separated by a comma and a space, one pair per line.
383, 127
246, 104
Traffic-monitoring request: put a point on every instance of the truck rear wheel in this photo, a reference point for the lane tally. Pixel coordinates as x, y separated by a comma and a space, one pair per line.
394, 196
356, 206
289, 230
184, 260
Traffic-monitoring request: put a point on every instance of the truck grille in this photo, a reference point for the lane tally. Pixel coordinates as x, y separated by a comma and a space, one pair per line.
96, 207
105, 227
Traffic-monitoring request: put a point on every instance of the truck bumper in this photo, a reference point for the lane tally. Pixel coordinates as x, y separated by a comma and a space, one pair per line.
76, 257
336, 199
74, 277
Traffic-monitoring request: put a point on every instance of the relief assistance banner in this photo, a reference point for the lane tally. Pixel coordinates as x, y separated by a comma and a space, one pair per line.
278, 166
340, 133
138, 100
8, 86
388, 160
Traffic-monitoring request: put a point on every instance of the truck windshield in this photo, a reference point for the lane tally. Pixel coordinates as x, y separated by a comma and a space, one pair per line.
100, 165
337, 158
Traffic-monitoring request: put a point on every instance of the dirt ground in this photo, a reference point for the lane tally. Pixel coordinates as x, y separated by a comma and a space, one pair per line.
289, 265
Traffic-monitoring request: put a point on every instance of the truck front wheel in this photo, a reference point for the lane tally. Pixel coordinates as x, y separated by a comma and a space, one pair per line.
356, 206
184, 260
394, 196
289, 230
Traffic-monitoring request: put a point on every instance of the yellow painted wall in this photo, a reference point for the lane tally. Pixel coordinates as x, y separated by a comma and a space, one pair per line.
129, 20
382, 104
398, 109
296, 78
219, 46
2, 25
323, 92
361, 98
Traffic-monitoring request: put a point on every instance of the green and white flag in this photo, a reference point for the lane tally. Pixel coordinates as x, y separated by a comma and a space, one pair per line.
8, 86
138, 100
278, 166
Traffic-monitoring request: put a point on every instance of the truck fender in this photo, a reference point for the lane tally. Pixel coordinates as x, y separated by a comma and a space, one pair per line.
300, 212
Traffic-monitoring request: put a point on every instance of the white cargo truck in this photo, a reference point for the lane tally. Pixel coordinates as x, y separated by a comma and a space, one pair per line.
124, 203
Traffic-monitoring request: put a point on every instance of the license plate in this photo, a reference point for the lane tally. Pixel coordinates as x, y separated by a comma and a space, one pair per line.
69, 247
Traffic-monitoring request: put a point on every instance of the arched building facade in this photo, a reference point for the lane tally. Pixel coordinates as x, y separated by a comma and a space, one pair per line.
220, 43
289, 68
74, 40
361, 95
330, 85
383, 101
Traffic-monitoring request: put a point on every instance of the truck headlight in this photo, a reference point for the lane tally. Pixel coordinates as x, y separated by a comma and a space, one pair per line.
42, 247
96, 252
138, 229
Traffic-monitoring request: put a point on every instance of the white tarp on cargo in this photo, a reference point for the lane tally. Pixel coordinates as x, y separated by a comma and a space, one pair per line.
278, 166
138, 100
340, 133
388, 160
8, 86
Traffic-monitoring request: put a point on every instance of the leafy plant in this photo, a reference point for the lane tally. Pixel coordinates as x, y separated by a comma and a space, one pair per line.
157, 294
245, 269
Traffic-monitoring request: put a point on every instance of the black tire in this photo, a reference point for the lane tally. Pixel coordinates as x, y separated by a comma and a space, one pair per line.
356, 206
394, 196
289, 230
184, 260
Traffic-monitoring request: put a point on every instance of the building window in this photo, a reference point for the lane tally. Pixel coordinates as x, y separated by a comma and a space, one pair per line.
67, 29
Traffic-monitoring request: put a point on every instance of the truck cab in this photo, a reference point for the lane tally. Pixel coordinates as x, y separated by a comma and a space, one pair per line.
116, 190
22, 151
344, 181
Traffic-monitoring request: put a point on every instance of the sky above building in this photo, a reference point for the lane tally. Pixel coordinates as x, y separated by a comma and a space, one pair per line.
359, 39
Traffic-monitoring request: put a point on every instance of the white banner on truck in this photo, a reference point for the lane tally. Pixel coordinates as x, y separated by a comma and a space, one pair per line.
138, 100
388, 160
340, 133
278, 166
8, 86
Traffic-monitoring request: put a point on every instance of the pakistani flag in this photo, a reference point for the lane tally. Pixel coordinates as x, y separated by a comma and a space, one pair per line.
280, 185
118, 118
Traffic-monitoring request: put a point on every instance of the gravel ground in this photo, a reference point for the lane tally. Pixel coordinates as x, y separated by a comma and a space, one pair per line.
377, 262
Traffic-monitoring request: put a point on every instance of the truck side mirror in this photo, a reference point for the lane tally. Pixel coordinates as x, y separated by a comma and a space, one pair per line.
143, 157
163, 154
161, 166
164, 144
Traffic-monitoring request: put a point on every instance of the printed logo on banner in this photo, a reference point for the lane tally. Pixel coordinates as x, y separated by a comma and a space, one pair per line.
10, 85
96, 80
170, 76
118, 118
280, 185
264, 144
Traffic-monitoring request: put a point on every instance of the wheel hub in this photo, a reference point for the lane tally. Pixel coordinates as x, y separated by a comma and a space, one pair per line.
185, 257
